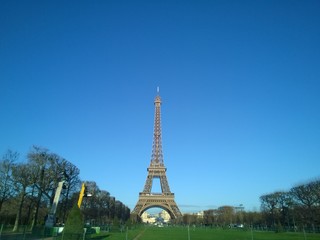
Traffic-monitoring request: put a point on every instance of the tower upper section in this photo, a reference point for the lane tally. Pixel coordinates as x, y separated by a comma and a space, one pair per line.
157, 156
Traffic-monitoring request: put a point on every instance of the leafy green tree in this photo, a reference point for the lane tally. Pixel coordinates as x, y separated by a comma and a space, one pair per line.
74, 228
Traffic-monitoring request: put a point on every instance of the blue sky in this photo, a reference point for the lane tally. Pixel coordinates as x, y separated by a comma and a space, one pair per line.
239, 82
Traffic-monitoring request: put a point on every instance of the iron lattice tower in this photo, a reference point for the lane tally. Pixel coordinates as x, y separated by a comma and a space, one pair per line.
165, 199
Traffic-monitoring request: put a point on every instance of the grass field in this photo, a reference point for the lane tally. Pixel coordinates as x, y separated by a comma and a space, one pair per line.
179, 233
182, 233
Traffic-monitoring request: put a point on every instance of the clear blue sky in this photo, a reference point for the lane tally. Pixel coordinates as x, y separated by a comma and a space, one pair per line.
239, 81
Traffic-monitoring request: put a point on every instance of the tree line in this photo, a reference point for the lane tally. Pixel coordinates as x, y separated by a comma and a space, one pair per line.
224, 216
295, 210
27, 191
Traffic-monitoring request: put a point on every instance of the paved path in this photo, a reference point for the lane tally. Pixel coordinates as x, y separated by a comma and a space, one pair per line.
139, 235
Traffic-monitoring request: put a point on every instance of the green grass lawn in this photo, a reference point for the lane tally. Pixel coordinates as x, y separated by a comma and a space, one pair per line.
181, 233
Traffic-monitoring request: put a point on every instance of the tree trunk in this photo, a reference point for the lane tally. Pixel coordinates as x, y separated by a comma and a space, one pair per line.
1, 202
35, 216
36, 210
18, 216
65, 206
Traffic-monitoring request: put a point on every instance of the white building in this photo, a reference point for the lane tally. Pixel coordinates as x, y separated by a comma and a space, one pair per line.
165, 216
153, 218
200, 214
148, 218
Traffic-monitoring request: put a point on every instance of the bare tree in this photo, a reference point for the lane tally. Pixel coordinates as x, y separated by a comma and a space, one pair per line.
48, 170
102, 202
72, 185
35, 183
315, 186
269, 205
38, 158
209, 217
22, 180
253, 218
112, 205
226, 214
307, 196
6, 165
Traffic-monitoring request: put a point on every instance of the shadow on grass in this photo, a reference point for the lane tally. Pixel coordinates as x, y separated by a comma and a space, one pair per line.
99, 236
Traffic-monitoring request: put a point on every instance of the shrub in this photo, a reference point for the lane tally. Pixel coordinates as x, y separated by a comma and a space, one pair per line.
73, 229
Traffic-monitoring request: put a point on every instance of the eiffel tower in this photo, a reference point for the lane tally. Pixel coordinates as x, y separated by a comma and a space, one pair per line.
165, 199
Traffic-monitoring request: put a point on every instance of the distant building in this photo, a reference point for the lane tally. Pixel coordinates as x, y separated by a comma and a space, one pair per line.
200, 214
148, 218
239, 208
165, 216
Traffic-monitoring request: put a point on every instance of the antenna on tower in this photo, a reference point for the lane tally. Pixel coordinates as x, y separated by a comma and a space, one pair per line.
158, 90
